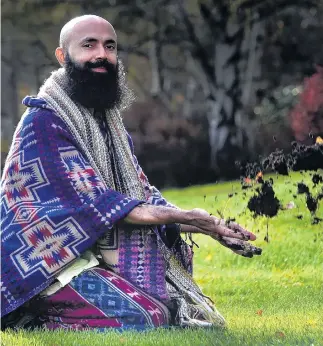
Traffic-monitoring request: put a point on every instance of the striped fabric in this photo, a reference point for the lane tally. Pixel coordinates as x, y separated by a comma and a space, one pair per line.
99, 299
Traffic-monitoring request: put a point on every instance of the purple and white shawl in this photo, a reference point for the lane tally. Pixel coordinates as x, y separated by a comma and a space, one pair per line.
54, 206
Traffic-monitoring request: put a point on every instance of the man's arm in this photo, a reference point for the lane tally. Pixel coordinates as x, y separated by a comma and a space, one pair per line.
230, 235
190, 229
146, 214
158, 215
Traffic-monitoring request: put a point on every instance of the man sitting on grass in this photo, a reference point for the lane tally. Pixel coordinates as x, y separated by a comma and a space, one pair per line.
87, 242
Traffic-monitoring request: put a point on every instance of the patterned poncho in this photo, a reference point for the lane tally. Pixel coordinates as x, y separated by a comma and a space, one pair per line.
54, 207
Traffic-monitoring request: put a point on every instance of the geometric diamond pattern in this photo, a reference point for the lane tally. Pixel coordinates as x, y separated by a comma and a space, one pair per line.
21, 181
25, 214
83, 177
46, 246
43, 219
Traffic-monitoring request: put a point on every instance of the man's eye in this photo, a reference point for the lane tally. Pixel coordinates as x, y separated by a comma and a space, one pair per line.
111, 47
87, 45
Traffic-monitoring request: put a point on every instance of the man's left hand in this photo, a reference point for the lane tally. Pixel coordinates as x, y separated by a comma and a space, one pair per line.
231, 235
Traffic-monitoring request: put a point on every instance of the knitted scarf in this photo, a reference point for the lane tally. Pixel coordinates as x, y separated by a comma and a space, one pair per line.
87, 133
192, 307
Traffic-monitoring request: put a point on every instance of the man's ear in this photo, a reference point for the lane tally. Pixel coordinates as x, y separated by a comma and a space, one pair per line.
60, 55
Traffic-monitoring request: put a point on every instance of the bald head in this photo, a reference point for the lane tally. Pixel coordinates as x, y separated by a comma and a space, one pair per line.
71, 28
87, 39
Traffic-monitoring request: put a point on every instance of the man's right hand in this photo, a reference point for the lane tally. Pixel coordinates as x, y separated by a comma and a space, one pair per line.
214, 226
228, 234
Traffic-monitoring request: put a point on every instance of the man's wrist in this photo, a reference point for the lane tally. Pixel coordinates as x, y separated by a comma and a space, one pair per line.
188, 217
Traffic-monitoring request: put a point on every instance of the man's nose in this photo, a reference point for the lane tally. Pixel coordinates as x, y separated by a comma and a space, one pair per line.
101, 52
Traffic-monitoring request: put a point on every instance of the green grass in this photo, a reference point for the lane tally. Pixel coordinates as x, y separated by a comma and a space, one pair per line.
274, 299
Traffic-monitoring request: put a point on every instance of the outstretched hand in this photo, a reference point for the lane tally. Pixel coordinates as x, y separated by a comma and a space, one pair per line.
231, 229
227, 233
238, 246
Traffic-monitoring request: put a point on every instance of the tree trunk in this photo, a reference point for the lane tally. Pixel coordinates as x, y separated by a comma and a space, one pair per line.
155, 71
227, 137
237, 65
251, 69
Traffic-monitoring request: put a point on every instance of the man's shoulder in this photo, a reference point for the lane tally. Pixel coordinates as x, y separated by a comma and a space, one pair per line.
37, 118
34, 113
38, 113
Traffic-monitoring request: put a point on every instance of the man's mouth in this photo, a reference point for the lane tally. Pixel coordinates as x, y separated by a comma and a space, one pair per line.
99, 69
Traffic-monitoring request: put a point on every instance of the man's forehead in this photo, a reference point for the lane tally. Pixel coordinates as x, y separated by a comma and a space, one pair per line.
87, 26
93, 29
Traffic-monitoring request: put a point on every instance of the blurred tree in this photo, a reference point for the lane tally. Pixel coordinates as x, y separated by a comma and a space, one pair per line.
216, 48
228, 44
292, 52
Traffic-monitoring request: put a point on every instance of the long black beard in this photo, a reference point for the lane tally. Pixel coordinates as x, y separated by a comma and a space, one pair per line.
98, 90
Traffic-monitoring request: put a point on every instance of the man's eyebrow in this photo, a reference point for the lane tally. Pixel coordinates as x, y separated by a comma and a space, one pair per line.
110, 41
92, 39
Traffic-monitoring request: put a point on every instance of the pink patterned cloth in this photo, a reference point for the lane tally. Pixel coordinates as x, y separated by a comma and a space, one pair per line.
99, 299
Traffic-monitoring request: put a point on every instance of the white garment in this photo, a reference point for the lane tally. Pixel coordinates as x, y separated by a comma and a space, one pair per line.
86, 261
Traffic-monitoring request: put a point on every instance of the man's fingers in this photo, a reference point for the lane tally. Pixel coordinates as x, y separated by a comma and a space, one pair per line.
236, 227
232, 229
243, 253
227, 232
248, 254
246, 247
241, 247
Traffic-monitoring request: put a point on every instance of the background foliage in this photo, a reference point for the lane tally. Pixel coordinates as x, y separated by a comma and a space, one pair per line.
216, 80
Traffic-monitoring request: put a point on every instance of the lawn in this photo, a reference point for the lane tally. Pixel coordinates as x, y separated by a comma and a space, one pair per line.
274, 299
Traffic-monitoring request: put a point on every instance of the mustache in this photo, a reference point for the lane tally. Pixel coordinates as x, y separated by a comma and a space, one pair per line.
100, 63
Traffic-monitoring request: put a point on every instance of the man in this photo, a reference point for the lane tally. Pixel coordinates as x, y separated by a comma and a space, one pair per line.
86, 241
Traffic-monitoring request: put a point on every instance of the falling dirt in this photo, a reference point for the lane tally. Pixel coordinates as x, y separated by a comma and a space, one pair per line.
317, 179
307, 158
301, 158
316, 220
277, 162
311, 203
264, 202
302, 188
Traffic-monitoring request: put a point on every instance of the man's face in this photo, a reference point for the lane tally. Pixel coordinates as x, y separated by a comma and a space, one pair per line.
93, 41
96, 78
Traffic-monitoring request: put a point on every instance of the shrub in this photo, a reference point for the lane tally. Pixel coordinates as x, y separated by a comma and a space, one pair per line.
307, 116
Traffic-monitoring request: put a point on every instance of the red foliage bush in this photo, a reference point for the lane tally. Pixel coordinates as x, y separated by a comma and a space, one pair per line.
307, 116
